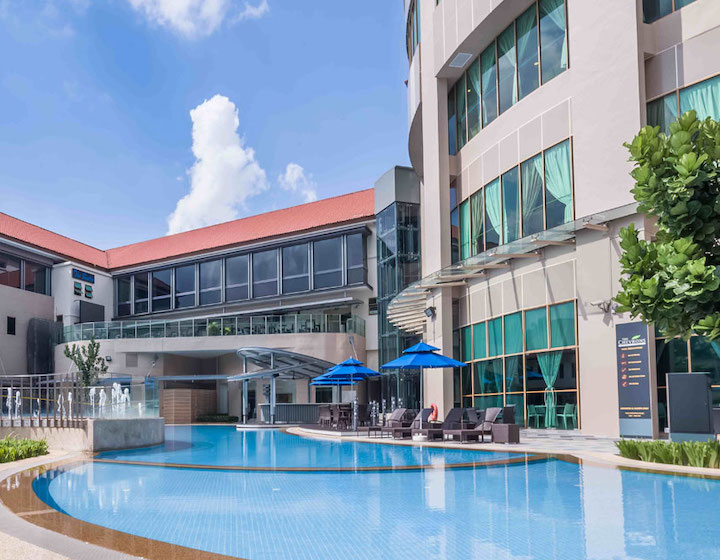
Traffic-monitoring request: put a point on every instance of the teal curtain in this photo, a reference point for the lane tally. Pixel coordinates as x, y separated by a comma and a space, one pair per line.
480, 381
493, 214
562, 325
703, 97
662, 112
495, 337
466, 347
476, 213
488, 68
511, 373
532, 195
498, 375
511, 205
507, 74
553, 38
464, 229
558, 185
513, 333
473, 98
536, 329
527, 48
550, 367
479, 350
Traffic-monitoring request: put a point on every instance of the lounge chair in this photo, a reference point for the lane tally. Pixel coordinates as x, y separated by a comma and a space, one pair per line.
325, 416
451, 420
508, 414
487, 419
405, 431
395, 420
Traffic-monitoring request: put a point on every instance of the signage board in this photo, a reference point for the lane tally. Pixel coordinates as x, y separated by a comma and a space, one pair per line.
82, 275
633, 371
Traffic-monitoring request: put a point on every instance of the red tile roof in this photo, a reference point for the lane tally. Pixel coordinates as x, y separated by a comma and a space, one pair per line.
338, 210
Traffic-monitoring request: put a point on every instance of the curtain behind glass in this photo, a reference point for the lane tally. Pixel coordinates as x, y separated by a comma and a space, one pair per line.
480, 382
511, 205
465, 335
527, 47
473, 98
476, 212
562, 325
498, 375
532, 195
550, 366
507, 76
479, 346
489, 84
558, 185
536, 329
495, 337
464, 229
662, 112
553, 38
703, 97
493, 214
513, 333
511, 373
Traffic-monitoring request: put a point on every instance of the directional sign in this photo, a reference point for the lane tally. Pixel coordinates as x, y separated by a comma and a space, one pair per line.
633, 369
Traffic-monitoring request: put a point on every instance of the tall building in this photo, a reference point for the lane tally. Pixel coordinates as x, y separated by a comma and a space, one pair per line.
518, 111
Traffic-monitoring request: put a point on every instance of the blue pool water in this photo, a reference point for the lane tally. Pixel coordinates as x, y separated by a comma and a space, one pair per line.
543, 510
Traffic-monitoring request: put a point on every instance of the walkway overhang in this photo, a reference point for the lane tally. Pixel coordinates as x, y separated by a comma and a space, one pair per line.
407, 310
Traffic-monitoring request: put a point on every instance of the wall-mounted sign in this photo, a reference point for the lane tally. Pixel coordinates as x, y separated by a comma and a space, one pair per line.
82, 275
633, 369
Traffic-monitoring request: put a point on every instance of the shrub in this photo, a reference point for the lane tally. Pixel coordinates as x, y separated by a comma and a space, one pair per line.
217, 418
691, 453
13, 449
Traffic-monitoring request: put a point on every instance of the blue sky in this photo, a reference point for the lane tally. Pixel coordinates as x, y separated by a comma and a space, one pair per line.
96, 136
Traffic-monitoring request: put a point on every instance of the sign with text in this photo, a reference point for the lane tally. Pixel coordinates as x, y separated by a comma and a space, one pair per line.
82, 275
633, 368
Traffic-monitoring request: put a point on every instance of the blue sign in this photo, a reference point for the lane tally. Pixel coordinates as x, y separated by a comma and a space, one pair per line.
82, 275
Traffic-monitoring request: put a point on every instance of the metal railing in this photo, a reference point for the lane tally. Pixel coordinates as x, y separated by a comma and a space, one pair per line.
217, 326
291, 413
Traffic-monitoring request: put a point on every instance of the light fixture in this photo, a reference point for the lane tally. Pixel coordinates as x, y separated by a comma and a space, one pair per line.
108, 359
460, 60
430, 312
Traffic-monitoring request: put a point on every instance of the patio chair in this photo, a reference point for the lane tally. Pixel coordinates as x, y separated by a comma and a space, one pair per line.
487, 419
395, 420
508, 414
363, 411
324, 416
533, 412
452, 420
568, 413
405, 431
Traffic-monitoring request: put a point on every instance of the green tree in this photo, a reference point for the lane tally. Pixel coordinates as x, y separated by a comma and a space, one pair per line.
672, 281
88, 361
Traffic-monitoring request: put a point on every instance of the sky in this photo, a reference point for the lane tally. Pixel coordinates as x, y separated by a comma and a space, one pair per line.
125, 120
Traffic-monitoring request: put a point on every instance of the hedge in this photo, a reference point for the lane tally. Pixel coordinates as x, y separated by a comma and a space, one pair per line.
13, 449
691, 453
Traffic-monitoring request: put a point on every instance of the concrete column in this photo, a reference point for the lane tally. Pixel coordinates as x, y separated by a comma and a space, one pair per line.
438, 383
272, 399
244, 401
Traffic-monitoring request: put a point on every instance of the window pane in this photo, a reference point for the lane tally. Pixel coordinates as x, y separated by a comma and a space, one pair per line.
511, 205
452, 124
507, 77
493, 215
236, 278
513, 374
265, 273
479, 345
36, 278
513, 333
527, 45
495, 337
454, 235
489, 84
562, 325
141, 293
705, 358
466, 342
682, 3
672, 357
464, 230
210, 296
489, 376
536, 329
553, 44
296, 277
327, 263
532, 195
460, 112
558, 185
655, 9
9, 271
662, 112
355, 245
473, 98
703, 97
210, 273
184, 287
476, 213
123, 296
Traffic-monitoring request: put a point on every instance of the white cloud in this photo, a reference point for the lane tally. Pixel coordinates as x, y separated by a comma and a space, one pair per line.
194, 18
297, 181
225, 173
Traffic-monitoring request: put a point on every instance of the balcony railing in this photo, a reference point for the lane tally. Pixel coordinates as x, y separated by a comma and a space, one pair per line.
218, 326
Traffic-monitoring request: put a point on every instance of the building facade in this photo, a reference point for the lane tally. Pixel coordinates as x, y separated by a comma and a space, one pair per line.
518, 111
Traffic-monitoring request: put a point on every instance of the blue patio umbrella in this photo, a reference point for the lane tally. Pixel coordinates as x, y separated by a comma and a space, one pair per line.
421, 356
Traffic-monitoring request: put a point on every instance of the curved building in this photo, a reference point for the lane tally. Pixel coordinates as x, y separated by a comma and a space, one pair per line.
517, 115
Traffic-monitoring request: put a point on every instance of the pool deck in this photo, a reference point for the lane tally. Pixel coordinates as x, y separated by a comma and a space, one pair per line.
22, 540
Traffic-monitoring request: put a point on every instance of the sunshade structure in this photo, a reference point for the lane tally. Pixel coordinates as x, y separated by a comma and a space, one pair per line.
419, 357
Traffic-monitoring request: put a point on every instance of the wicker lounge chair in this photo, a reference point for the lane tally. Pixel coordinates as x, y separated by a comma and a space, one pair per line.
487, 419
395, 420
420, 421
451, 420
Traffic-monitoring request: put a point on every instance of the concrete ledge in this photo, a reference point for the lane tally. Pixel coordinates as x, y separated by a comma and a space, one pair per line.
68, 439
106, 434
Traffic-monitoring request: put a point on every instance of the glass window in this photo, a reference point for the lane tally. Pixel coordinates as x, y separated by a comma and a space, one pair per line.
452, 123
489, 84
489, 376
184, 286
296, 276
495, 337
507, 75
9, 271
210, 279
511, 205
527, 46
558, 185
562, 325
265, 273
454, 235
536, 329
705, 357
473, 98
476, 213
460, 112
327, 263
661, 112
655, 9
479, 344
356, 269
464, 230
493, 215
513, 333
553, 43
532, 195
161, 286
703, 97
671, 356
236, 278
123, 296
513, 374
36, 278
466, 344
142, 293
682, 3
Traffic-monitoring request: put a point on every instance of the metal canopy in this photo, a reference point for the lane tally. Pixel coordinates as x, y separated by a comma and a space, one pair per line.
407, 310
282, 364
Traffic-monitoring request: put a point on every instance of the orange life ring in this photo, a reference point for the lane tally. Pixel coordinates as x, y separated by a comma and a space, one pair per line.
434, 413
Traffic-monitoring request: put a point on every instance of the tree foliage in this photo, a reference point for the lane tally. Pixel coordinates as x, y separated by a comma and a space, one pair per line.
88, 361
673, 280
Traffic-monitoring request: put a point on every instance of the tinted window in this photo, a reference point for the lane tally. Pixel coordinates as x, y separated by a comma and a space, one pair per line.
9, 271
210, 276
236, 278
184, 286
355, 258
295, 268
123, 296
265, 273
327, 262
161, 290
36, 278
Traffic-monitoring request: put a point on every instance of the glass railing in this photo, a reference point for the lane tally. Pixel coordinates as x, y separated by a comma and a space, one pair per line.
218, 326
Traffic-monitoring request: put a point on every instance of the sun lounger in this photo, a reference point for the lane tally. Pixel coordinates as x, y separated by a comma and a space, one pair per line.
487, 419
453, 417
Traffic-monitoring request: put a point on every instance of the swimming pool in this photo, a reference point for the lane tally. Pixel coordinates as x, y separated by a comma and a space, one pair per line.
548, 509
